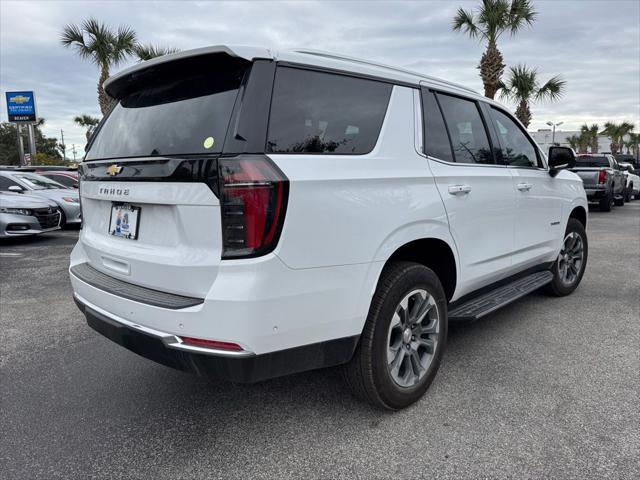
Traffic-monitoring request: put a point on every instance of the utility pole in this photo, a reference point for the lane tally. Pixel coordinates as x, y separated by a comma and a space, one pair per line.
73, 146
64, 147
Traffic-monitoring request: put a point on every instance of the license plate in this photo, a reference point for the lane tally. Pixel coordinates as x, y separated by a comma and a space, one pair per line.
124, 221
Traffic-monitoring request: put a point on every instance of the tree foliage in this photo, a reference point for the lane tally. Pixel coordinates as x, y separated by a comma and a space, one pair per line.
106, 47
46, 147
522, 87
488, 23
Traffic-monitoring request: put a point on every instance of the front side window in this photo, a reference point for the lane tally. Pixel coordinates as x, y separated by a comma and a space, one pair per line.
5, 183
317, 112
466, 129
515, 148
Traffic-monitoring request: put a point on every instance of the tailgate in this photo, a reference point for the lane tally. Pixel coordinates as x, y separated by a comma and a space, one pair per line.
178, 242
589, 176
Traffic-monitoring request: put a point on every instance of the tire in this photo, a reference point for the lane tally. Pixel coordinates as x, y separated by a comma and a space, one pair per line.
627, 195
605, 203
559, 286
370, 375
619, 202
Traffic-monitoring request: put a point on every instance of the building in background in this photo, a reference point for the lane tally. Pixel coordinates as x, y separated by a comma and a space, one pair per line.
544, 136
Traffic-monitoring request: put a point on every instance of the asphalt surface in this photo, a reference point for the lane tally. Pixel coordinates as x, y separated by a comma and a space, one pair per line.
545, 388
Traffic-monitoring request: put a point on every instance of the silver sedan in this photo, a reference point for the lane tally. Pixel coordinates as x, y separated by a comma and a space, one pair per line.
67, 199
27, 215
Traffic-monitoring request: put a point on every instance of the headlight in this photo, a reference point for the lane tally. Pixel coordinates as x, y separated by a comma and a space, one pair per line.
16, 211
71, 199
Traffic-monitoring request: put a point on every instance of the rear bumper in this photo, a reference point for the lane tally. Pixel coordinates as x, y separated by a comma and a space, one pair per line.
244, 367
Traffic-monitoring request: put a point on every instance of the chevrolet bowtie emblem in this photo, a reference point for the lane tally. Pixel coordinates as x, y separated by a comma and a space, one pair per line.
113, 170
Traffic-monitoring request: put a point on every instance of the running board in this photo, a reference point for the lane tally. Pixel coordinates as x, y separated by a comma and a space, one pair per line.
491, 301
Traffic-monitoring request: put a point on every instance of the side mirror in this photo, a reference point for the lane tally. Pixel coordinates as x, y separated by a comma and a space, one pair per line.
15, 188
560, 158
75, 185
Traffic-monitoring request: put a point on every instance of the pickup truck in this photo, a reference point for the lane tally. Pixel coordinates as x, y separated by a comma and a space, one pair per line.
603, 179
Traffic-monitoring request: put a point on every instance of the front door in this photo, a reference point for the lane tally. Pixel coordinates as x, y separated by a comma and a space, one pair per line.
539, 210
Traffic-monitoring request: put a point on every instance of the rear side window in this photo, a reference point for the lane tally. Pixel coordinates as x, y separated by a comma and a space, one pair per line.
466, 129
63, 179
183, 107
436, 142
317, 112
516, 149
592, 161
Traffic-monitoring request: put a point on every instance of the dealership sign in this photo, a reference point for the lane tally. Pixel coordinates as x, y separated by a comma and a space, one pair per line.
21, 107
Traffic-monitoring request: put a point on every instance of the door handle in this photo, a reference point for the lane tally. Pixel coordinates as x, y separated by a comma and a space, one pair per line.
524, 187
459, 189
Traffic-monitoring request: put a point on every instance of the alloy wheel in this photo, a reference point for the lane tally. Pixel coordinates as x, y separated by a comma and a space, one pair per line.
571, 258
412, 338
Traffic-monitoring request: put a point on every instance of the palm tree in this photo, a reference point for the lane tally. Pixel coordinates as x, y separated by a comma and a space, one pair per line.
633, 144
88, 122
103, 46
493, 18
591, 136
523, 88
575, 142
147, 51
616, 133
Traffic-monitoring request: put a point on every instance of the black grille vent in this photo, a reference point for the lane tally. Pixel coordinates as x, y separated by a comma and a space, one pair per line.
47, 217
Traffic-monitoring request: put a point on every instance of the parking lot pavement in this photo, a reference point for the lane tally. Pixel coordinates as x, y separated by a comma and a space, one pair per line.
546, 388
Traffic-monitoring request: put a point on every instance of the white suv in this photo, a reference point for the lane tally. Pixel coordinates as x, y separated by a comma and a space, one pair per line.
250, 214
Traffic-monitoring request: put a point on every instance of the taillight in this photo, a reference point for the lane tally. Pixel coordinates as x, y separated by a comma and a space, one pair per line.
602, 176
253, 196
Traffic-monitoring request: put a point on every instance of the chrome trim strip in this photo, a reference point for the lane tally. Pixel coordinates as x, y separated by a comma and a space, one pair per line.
170, 340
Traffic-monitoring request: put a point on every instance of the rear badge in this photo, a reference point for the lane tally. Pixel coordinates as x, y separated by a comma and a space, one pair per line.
114, 170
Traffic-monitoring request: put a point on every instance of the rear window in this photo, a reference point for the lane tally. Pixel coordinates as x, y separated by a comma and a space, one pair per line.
588, 161
178, 108
317, 112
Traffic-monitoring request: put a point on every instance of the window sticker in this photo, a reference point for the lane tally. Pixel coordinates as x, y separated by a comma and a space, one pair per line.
208, 142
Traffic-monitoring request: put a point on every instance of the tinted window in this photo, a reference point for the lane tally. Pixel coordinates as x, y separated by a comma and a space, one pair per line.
184, 110
467, 132
436, 139
38, 182
516, 149
316, 112
592, 161
5, 183
63, 179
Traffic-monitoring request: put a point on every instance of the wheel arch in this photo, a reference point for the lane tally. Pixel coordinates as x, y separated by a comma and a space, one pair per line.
580, 214
433, 253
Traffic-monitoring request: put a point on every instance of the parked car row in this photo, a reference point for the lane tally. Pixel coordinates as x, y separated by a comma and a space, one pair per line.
21, 188
606, 181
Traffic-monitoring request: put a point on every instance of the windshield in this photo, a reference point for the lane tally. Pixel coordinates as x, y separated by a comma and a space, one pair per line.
183, 108
589, 161
38, 182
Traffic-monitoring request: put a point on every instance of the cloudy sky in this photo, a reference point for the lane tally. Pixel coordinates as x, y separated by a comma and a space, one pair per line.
593, 44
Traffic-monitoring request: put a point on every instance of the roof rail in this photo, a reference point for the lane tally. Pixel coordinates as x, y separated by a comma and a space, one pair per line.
335, 56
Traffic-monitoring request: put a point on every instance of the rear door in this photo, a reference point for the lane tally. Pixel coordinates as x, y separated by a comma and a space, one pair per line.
477, 193
539, 208
150, 176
